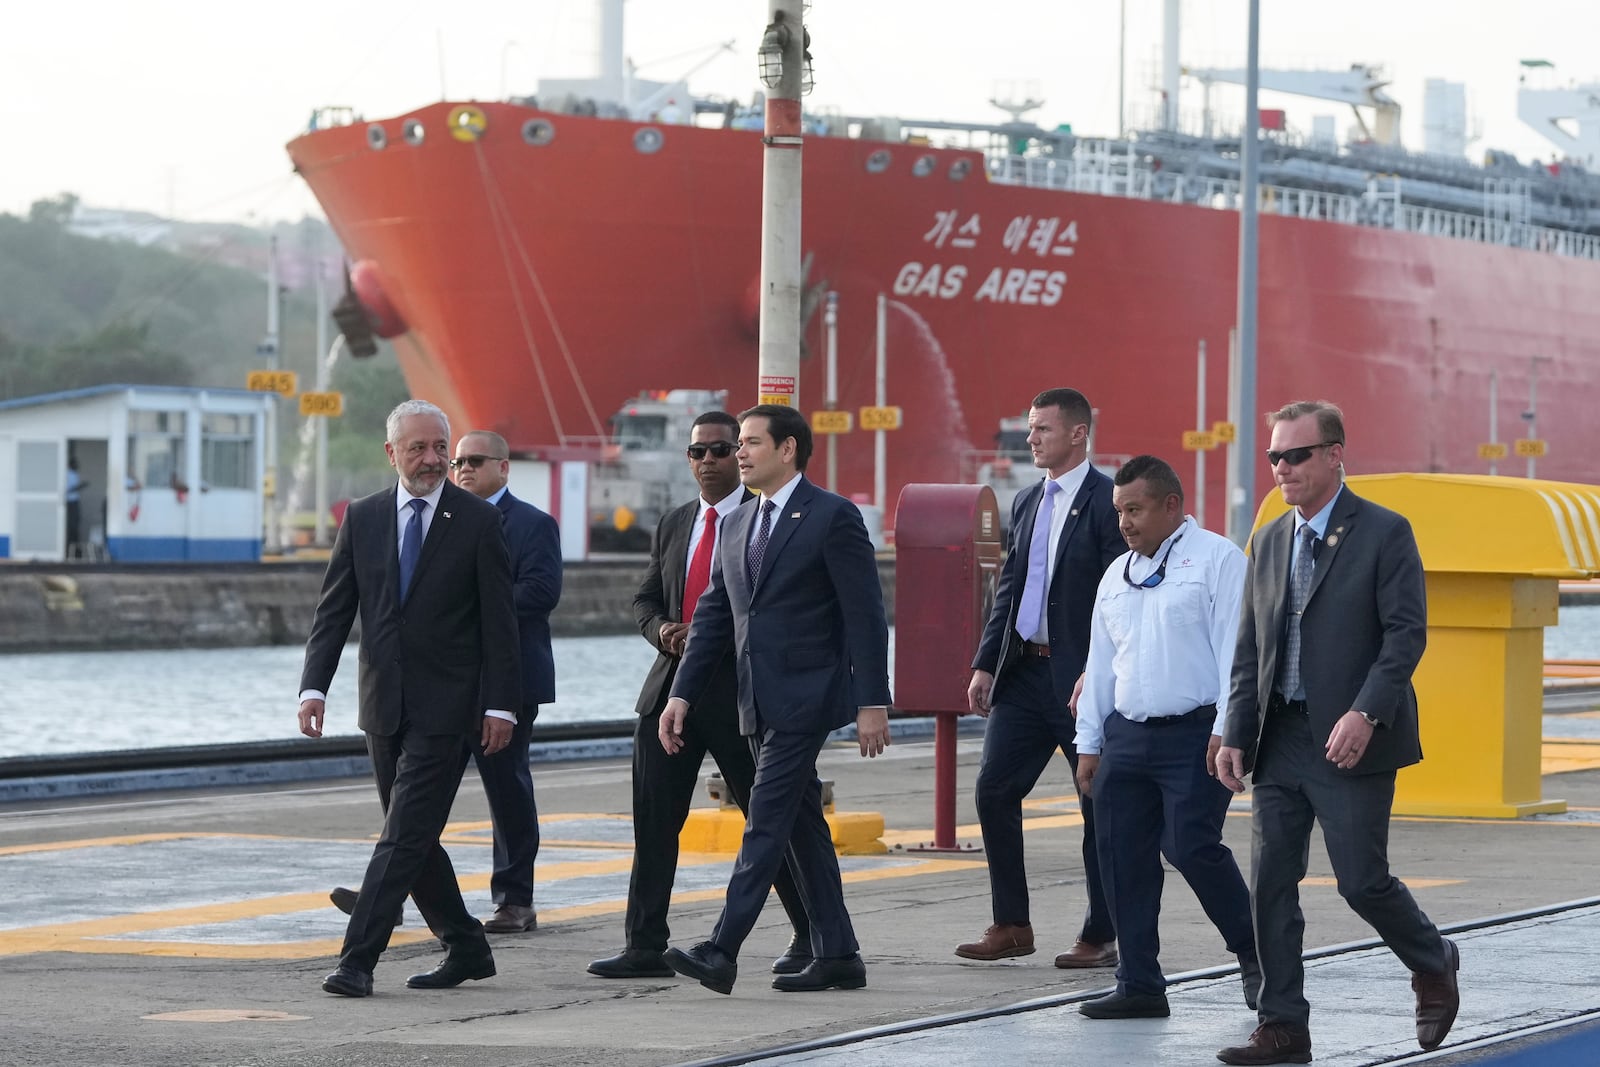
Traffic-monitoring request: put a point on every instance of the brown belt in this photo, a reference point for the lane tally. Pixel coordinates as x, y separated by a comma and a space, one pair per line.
1031, 649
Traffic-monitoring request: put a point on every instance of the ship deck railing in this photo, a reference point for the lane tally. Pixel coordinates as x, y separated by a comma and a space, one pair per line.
1113, 168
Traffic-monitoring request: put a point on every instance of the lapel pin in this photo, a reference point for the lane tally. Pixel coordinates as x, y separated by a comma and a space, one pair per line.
794, 514
1074, 511
446, 514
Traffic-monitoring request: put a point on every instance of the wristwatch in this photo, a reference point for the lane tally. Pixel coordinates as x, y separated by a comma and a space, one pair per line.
1371, 720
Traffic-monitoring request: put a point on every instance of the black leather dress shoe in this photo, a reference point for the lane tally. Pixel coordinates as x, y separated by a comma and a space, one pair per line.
452, 972
846, 972
633, 963
795, 958
1120, 1005
345, 900
706, 964
348, 982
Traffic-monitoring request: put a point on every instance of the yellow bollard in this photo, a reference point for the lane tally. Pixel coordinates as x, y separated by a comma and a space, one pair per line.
1494, 551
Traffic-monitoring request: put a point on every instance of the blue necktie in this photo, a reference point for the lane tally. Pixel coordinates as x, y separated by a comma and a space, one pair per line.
411, 547
758, 543
1031, 608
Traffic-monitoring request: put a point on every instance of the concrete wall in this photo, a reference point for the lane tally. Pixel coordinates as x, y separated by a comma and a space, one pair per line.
84, 608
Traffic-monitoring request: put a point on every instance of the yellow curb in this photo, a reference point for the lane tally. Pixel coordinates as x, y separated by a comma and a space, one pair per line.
715, 830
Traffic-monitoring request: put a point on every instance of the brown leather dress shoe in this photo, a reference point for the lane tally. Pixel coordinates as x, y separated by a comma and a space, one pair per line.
998, 942
1087, 954
1438, 1000
1272, 1043
511, 919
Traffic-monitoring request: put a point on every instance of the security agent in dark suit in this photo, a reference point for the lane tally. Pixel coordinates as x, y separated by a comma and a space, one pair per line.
533, 539
438, 667
1323, 714
663, 784
1063, 536
794, 593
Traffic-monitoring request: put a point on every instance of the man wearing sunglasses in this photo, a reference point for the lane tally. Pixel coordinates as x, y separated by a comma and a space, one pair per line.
1322, 714
663, 785
1063, 536
482, 465
1150, 720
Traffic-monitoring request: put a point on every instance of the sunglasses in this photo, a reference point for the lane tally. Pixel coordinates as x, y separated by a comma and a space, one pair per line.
474, 461
1296, 456
1155, 579
718, 449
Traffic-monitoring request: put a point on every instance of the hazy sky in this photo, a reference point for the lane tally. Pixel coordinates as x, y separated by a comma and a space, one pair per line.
185, 105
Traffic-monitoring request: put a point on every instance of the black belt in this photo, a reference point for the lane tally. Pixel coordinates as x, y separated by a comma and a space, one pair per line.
1031, 649
1205, 711
1280, 703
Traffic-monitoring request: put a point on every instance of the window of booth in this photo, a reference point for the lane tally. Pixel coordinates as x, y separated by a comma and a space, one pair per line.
227, 451
155, 447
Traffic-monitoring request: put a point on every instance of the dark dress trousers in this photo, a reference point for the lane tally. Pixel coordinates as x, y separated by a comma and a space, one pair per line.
533, 540
1363, 631
811, 644
1029, 718
429, 666
663, 785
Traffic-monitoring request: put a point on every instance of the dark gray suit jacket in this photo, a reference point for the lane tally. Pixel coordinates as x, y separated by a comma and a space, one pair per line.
660, 600
810, 635
424, 659
1362, 634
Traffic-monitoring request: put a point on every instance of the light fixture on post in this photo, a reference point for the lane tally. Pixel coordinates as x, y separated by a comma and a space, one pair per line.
769, 57
807, 81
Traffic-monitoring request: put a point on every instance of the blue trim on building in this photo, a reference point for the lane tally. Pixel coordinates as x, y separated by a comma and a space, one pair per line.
103, 390
184, 550
5, 546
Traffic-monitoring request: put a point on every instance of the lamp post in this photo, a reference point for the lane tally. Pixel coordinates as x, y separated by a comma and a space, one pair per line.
1242, 507
785, 69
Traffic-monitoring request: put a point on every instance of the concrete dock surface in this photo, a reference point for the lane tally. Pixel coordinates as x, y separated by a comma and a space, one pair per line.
193, 928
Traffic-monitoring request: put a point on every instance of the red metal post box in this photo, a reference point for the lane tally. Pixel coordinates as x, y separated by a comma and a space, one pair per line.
947, 563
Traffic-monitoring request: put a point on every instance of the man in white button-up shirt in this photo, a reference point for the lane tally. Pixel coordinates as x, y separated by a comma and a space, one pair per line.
1160, 653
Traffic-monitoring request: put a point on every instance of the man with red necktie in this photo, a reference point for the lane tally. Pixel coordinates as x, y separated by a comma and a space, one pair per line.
663, 785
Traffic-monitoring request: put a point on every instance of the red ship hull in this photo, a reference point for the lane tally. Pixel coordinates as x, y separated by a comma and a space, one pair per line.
545, 284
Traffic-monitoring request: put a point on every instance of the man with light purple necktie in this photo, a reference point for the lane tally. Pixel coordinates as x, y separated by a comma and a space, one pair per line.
1063, 535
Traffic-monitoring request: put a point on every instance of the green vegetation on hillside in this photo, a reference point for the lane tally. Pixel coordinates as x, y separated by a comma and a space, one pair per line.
77, 311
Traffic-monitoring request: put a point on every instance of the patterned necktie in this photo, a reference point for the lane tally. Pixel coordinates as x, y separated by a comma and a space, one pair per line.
758, 543
411, 547
1031, 608
1299, 593
700, 566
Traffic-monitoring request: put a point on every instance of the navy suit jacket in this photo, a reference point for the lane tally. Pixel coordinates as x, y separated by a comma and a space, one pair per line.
810, 636
445, 654
1361, 636
534, 541
1090, 541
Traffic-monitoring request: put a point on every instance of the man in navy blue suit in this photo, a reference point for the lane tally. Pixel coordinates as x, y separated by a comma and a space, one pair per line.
1063, 536
533, 540
481, 465
794, 594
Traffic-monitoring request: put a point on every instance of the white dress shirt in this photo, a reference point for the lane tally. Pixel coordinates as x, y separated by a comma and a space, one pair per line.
724, 508
1168, 649
1070, 482
403, 501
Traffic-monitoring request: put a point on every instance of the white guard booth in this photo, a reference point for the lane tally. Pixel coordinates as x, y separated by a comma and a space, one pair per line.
166, 474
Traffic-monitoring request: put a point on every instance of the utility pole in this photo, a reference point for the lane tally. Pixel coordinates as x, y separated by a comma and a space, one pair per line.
321, 503
1242, 506
783, 67
274, 542
830, 318
1200, 424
